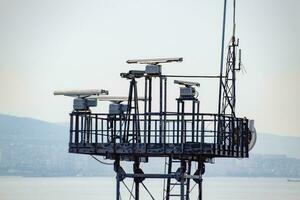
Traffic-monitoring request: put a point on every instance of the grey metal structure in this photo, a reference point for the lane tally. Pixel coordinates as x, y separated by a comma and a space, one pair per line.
136, 132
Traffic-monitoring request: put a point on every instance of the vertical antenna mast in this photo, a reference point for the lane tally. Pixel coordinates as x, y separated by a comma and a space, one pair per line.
222, 55
233, 19
227, 82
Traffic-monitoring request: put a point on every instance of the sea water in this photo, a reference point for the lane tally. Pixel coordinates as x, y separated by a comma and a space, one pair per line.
96, 188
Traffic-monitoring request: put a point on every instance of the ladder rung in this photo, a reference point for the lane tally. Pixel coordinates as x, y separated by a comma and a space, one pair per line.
175, 183
176, 195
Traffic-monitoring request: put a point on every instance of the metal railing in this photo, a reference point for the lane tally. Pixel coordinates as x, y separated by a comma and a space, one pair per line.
223, 132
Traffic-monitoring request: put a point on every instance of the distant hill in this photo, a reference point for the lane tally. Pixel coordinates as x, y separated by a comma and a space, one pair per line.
30, 147
275, 144
27, 129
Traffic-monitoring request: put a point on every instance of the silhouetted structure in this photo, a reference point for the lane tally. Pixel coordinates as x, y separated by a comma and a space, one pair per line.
134, 132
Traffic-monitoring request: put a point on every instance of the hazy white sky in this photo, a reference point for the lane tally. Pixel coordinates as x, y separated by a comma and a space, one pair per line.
58, 44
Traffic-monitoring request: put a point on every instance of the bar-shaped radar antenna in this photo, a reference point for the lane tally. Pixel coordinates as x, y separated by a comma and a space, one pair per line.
187, 83
81, 93
154, 61
81, 102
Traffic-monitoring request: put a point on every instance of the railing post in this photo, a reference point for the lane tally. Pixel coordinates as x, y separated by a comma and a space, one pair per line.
182, 122
193, 119
178, 110
197, 132
96, 129
215, 130
71, 129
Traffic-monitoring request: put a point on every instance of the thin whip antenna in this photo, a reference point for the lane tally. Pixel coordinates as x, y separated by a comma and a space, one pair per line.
233, 19
222, 55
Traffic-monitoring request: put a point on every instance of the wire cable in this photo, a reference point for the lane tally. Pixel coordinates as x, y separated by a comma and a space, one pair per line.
131, 190
105, 163
128, 189
147, 190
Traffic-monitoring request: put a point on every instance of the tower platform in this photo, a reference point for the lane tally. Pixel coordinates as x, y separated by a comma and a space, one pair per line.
174, 135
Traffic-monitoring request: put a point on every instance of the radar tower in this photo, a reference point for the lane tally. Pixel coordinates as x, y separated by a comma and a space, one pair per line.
135, 131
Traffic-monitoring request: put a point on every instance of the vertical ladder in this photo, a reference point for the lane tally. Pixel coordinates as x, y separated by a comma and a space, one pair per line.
178, 188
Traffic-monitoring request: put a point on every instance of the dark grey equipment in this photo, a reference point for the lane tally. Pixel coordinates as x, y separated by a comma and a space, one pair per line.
186, 137
154, 70
117, 108
84, 104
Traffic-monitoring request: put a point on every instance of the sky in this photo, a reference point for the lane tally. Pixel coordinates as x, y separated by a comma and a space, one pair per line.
67, 44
